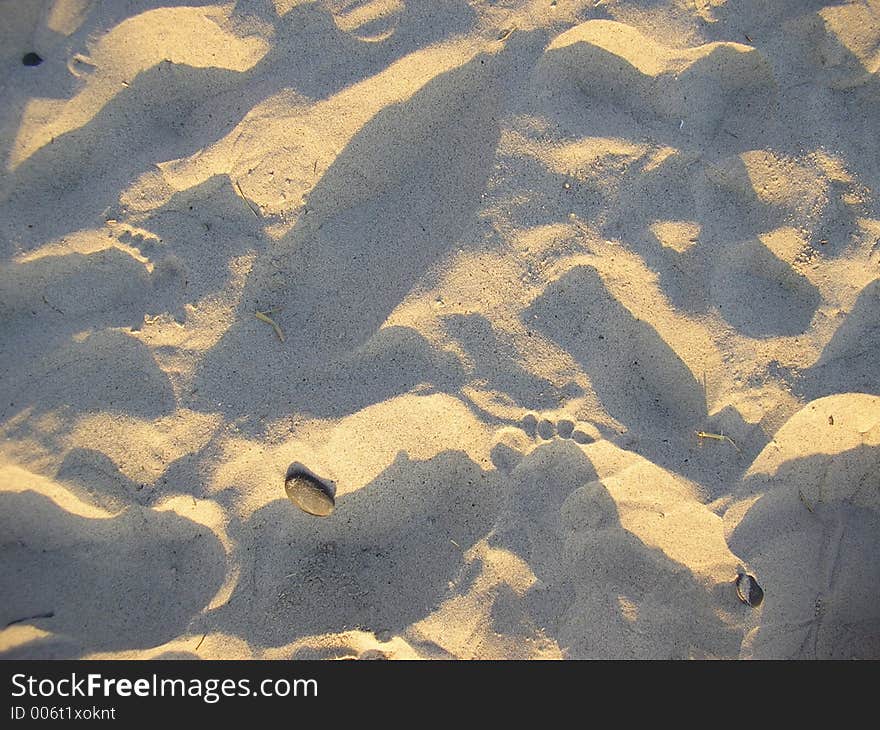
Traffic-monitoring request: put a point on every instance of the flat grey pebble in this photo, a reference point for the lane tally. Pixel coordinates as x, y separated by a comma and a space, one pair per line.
748, 590
313, 495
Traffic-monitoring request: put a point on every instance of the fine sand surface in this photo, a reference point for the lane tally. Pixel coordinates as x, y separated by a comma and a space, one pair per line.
521, 252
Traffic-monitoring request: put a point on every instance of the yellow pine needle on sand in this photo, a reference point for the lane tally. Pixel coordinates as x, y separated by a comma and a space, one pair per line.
264, 317
716, 437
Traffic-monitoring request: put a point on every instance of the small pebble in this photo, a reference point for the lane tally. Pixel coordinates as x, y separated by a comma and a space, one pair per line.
309, 492
31, 59
748, 590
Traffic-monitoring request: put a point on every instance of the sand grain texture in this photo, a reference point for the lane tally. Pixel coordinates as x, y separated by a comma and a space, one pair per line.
521, 253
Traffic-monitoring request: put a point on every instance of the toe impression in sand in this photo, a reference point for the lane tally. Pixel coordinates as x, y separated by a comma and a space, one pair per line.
312, 494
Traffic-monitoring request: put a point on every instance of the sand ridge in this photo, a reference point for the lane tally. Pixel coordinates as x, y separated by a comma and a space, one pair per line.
521, 253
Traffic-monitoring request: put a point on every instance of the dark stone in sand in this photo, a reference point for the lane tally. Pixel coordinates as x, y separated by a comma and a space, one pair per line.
31, 59
308, 491
748, 590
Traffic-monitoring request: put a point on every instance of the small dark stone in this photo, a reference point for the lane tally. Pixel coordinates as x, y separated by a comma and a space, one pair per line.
309, 492
31, 59
748, 590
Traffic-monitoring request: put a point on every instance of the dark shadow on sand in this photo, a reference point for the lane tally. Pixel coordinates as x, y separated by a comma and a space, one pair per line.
376, 225
600, 590
128, 582
381, 562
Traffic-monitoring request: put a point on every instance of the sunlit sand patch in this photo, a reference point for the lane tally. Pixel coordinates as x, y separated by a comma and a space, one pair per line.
777, 180
591, 163
345, 645
19, 635
605, 156
467, 282
571, 158
66, 16
533, 242
855, 30
369, 20
676, 235
210, 645
839, 280
159, 443
661, 78
787, 244
845, 422
670, 516
357, 447
622, 40
479, 282
192, 36
502, 19
656, 158
15, 479
283, 7
86, 242
463, 624
354, 450
301, 141
629, 609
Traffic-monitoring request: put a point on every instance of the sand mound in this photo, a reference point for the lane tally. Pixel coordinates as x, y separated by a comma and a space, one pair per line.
809, 526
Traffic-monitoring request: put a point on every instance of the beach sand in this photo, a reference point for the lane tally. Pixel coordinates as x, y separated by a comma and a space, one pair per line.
521, 253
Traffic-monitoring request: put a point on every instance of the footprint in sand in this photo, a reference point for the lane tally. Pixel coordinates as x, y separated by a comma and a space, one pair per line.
97, 583
513, 442
546, 429
596, 583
